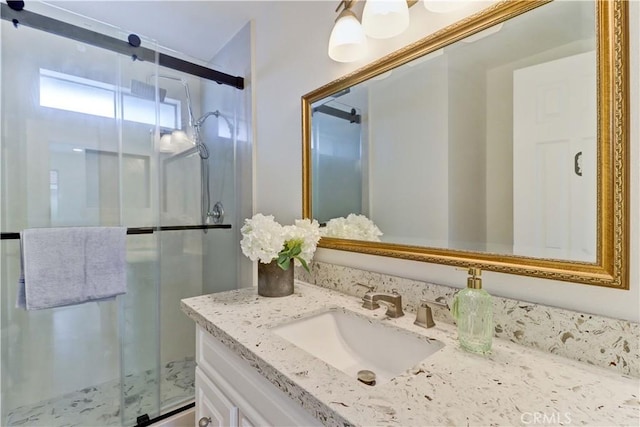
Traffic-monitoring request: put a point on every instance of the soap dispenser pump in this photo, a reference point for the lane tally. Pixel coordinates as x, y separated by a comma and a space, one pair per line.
473, 310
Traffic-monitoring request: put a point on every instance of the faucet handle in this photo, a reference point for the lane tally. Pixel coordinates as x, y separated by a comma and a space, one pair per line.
434, 302
369, 287
424, 315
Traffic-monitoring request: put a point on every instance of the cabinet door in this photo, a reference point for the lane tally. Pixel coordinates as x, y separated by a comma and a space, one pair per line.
256, 402
212, 403
244, 421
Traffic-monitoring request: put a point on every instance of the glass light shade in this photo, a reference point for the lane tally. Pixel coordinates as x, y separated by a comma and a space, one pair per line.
347, 42
382, 19
444, 6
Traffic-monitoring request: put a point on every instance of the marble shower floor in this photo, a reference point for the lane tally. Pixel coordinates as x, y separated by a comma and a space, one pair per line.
100, 405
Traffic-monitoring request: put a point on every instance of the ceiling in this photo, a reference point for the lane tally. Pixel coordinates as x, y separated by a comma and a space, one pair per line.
196, 28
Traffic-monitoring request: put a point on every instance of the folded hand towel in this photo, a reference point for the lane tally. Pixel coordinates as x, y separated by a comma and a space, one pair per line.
63, 266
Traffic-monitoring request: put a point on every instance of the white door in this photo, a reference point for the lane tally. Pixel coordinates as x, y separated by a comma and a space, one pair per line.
554, 159
213, 404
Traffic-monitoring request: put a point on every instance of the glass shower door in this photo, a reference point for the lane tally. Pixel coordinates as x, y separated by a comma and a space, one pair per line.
72, 155
93, 138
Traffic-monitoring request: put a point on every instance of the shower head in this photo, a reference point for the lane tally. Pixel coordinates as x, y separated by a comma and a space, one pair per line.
218, 114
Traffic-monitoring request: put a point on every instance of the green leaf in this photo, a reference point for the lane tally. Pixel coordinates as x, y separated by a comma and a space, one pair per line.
304, 264
284, 264
282, 258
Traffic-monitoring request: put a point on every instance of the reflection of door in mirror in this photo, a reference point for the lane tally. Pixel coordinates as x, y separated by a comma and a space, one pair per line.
554, 160
337, 161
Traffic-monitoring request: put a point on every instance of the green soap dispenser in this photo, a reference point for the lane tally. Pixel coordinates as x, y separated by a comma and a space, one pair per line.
473, 310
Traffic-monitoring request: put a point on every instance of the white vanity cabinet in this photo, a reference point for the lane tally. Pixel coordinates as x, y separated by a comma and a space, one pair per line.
230, 392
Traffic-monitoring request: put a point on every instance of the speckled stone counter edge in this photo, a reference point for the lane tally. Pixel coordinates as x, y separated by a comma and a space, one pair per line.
597, 340
315, 407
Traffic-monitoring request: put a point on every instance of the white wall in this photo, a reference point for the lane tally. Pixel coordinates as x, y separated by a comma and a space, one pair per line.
408, 131
230, 164
291, 60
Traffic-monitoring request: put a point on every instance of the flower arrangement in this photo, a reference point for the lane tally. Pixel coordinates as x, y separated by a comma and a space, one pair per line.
355, 227
265, 240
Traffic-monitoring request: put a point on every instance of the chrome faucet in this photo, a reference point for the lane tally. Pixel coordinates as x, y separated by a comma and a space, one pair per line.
393, 300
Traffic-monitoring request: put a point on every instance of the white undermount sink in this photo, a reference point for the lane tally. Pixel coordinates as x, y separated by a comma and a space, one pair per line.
351, 343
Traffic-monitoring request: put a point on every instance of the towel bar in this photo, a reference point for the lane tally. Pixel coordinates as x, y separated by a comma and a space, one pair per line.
140, 230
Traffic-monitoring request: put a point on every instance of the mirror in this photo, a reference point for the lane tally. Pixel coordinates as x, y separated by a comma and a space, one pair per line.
500, 142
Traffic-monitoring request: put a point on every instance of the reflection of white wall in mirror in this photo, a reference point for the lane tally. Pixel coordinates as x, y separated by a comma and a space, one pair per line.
467, 156
383, 75
554, 159
482, 34
425, 58
400, 164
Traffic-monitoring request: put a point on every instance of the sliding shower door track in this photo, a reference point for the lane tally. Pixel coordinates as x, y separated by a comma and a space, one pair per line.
132, 47
144, 420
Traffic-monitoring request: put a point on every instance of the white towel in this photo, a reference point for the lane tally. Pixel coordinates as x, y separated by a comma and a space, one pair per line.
71, 265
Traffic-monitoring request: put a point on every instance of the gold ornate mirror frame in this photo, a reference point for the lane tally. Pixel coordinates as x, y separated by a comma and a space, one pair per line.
611, 266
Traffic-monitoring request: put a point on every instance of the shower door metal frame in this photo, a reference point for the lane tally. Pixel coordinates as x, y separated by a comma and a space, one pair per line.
130, 48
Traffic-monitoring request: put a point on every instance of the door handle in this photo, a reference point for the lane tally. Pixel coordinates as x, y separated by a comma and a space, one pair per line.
577, 163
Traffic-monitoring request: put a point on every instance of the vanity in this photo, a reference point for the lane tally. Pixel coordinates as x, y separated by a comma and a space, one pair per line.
249, 374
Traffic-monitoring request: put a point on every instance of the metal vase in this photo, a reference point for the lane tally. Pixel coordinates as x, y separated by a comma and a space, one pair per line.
274, 281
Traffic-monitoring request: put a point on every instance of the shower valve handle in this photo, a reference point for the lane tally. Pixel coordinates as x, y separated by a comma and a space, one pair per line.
204, 421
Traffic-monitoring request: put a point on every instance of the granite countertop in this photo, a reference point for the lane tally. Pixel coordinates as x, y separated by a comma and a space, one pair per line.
515, 385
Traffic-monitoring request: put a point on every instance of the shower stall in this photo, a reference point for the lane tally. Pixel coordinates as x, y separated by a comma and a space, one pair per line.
93, 136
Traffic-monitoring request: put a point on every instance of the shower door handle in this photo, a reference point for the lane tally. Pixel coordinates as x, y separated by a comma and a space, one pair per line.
577, 163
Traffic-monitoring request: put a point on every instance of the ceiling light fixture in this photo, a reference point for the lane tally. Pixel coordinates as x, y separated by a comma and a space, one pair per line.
381, 19
347, 42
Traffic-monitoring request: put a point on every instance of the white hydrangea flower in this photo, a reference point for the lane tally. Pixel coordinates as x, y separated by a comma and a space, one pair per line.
265, 240
355, 227
262, 238
309, 232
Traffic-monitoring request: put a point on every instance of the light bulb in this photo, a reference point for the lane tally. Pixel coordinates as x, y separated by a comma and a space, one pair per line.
347, 42
382, 19
444, 6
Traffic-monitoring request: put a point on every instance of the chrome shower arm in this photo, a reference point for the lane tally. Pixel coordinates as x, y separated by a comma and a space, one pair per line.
202, 119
